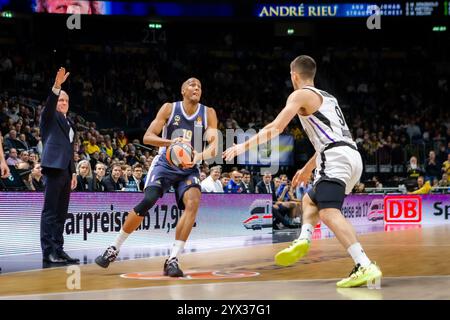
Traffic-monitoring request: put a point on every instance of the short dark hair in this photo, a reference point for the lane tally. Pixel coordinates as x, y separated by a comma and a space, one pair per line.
225, 175
137, 165
304, 65
115, 165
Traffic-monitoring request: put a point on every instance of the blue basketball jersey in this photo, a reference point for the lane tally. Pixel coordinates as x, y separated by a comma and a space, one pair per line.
191, 128
161, 173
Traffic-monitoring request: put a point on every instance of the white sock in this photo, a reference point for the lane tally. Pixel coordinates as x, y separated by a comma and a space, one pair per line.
307, 232
120, 239
177, 247
358, 255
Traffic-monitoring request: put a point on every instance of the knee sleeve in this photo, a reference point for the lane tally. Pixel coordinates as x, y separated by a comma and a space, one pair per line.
151, 195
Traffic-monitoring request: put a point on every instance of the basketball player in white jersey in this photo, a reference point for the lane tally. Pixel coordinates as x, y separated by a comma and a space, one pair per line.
337, 164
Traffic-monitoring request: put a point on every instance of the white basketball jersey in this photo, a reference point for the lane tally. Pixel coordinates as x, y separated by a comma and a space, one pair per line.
327, 125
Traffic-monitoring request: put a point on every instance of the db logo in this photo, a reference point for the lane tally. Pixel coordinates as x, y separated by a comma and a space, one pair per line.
402, 209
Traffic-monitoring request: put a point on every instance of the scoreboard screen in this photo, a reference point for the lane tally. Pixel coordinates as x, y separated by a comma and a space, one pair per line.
224, 8
351, 10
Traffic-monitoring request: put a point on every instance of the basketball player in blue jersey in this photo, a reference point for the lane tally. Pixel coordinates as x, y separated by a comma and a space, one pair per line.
187, 121
337, 164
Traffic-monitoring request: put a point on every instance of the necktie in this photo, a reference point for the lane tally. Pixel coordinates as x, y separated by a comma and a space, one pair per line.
71, 133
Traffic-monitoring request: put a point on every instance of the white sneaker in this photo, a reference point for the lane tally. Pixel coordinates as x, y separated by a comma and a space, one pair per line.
296, 220
280, 226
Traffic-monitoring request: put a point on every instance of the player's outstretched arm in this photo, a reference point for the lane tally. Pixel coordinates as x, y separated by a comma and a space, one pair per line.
295, 101
151, 136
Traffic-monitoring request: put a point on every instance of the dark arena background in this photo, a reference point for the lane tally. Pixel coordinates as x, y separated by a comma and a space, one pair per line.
388, 67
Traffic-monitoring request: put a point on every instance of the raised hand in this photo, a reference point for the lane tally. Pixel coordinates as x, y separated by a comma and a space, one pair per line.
61, 77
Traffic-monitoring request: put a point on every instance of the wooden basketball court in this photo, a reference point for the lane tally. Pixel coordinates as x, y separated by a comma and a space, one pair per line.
415, 264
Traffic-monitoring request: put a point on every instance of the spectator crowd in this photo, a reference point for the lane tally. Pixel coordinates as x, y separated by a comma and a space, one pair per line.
397, 117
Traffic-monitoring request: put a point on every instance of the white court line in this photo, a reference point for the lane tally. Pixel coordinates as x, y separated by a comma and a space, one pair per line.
198, 285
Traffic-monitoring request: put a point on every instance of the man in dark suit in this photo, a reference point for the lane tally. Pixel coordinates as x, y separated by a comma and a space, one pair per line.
58, 169
266, 185
246, 183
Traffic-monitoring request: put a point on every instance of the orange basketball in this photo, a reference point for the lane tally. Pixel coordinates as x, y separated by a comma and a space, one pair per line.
179, 154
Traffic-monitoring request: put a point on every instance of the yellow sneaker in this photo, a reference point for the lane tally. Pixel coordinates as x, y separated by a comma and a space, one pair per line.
361, 276
291, 255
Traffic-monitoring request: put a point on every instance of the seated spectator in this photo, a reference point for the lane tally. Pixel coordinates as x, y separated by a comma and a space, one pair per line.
83, 173
95, 183
32, 142
202, 176
24, 160
114, 181
135, 182
287, 202
107, 147
95, 157
24, 142
276, 182
127, 172
359, 188
422, 186
444, 182
378, 184
233, 185
435, 182
76, 158
414, 170
432, 170
446, 167
282, 191
122, 140
11, 141
302, 189
224, 179
266, 185
12, 160
33, 159
91, 146
442, 155
212, 182
35, 179
131, 158
246, 184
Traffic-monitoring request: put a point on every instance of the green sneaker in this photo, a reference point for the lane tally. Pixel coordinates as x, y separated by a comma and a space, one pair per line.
361, 276
291, 255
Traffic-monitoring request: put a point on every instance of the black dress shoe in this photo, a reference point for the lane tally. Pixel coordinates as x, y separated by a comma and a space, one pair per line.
69, 259
52, 258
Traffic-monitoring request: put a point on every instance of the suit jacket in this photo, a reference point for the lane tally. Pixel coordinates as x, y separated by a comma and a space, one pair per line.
248, 189
82, 184
261, 188
95, 185
57, 150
